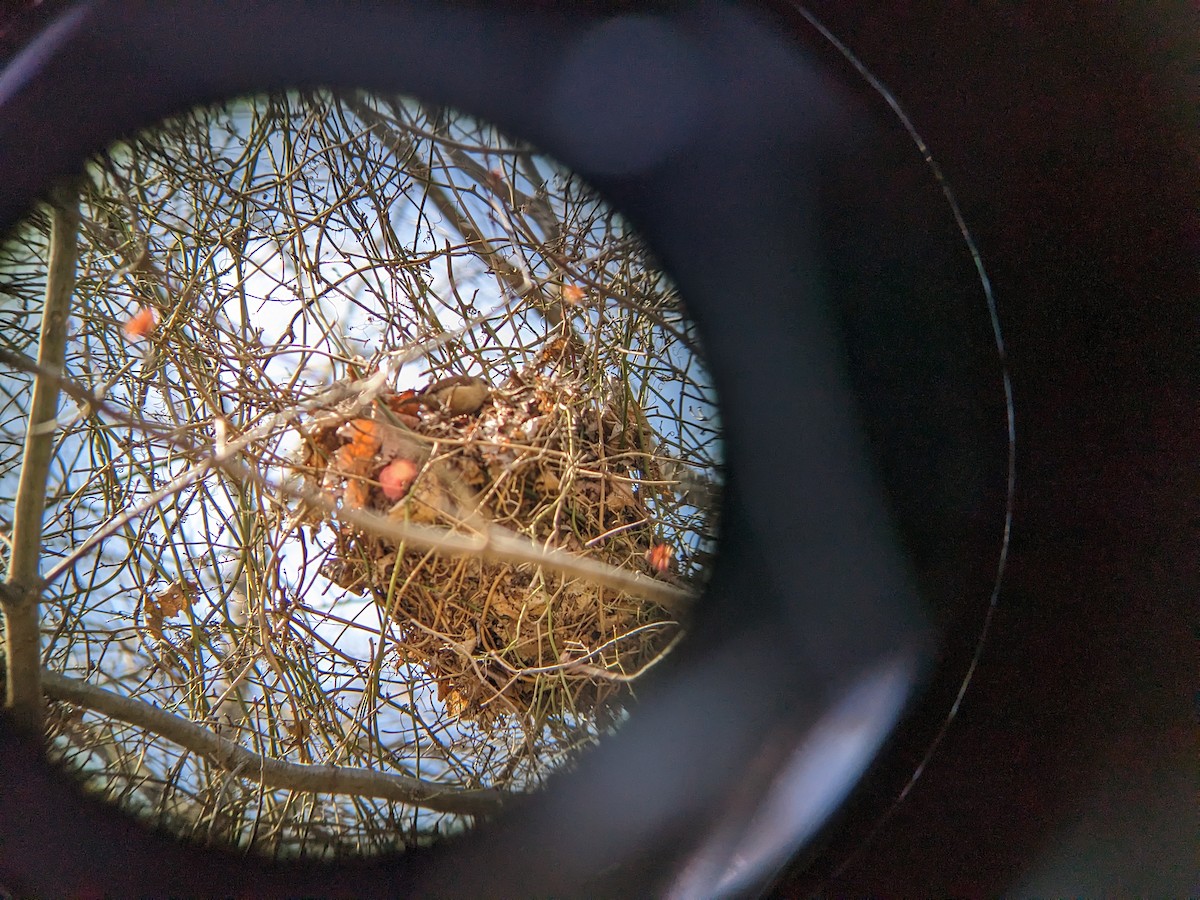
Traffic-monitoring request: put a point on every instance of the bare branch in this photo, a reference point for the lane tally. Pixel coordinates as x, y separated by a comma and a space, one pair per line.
517, 280
22, 616
272, 773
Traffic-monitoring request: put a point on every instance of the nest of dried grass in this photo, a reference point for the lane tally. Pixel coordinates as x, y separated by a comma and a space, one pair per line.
540, 457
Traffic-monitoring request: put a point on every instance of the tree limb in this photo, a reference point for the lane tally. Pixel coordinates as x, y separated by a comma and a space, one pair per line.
20, 604
272, 773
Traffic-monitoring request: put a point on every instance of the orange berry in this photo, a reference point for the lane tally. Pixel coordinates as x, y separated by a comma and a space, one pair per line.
141, 324
396, 477
659, 556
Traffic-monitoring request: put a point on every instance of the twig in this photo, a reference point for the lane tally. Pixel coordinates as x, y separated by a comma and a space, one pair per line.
517, 280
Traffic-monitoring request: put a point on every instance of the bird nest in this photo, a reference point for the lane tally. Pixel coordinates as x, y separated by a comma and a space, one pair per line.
539, 456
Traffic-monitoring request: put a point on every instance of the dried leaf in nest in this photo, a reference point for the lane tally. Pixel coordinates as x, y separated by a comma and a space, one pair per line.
456, 703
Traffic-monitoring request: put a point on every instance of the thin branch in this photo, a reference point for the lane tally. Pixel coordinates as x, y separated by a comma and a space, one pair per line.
517, 280
22, 615
272, 773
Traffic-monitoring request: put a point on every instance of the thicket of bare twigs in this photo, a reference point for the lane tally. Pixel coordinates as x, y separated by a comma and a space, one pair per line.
294, 595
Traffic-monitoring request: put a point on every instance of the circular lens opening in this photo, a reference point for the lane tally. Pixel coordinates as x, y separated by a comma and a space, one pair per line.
381, 444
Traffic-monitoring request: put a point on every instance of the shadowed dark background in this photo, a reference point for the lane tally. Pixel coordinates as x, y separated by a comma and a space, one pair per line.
1070, 138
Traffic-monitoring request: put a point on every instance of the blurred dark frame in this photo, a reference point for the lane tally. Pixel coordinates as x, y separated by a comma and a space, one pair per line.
1069, 138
